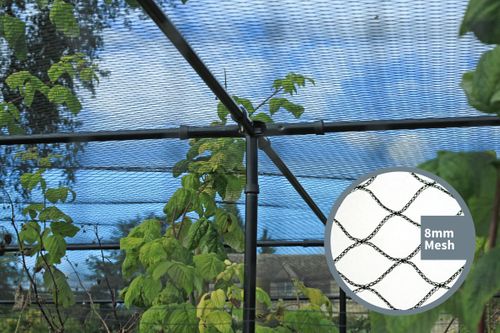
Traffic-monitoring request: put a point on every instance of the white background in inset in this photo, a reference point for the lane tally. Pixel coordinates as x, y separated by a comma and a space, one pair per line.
359, 214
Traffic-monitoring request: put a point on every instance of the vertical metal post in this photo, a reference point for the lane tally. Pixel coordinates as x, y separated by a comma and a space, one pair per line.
251, 203
342, 311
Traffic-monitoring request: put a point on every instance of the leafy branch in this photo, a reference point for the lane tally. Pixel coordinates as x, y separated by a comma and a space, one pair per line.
180, 272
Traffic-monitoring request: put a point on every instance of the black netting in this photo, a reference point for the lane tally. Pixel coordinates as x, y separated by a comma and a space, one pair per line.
396, 261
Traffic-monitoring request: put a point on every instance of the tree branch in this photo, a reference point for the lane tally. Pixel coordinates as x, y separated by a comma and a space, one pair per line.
277, 91
91, 300
108, 285
33, 284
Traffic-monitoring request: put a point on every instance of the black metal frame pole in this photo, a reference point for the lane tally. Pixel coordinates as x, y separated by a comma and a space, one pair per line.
116, 246
182, 132
278, 129
342, 311
250, 257
321, 127
265, 145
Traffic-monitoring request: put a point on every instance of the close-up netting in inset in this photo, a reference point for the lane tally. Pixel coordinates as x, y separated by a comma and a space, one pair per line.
392, 209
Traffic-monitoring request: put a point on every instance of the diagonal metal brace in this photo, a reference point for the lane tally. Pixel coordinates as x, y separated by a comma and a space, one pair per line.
173, 34
265, 146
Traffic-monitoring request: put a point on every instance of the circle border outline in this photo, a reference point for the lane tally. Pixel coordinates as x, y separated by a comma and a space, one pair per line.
347, 289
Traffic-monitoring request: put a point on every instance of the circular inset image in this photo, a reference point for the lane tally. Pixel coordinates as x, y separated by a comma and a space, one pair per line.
400, 241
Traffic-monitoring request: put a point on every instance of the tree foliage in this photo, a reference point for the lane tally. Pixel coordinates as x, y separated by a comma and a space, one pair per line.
474, 175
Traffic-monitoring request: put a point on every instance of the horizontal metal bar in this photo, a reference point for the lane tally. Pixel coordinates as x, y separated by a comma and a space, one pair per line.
183, 132
321, 127
116, 246
119, 301
278, 129
285, 243
50, 301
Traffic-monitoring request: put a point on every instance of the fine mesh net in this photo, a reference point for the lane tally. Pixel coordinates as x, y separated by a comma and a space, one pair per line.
394, 263
370, 60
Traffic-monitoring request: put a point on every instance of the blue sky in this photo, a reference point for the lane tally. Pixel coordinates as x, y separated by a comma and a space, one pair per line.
370, 59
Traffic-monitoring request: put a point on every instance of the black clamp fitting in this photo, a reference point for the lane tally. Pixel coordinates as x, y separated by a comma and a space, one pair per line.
319, 127
183, 132
252, 188
244, 119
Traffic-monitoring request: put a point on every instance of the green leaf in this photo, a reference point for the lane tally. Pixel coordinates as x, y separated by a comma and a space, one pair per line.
208, 265
14, 31
30, 180
473, 175
481, 285
55, 71
10, 118
245, 103
32, 210
151, 229
169, 294
262, 297
483, 19
56, 247
63, 95
130, 243
264, 329
61, 15
210, 241
42, 3
221, 320
178, 203
57, 281
152, 320
290, 83
30, 232
180, 168
482, 85
134, 291
88, 74
181, 274
59, 194
310, 320
235, 238
175, 251
191, 181
150, 288
64, 229
152, 253
234, 187
132, 3
181, 319
130, 264
27, 85
261, 116
196, 232
208, 203
222, 112
53, 213
218, 298
419, 323
277, 103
